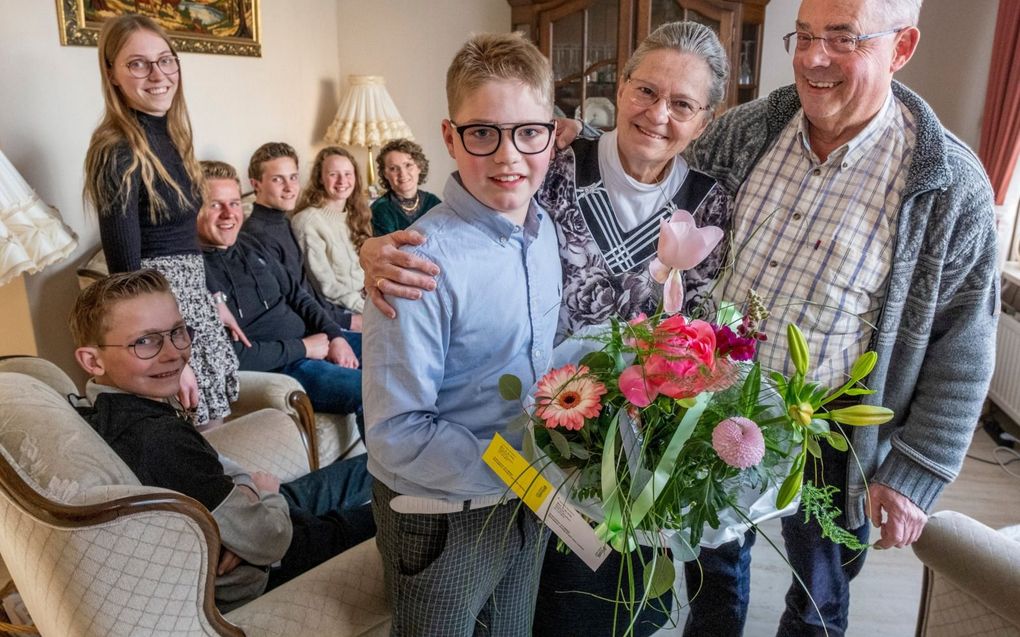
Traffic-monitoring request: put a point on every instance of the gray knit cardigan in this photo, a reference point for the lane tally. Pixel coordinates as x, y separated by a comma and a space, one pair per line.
936, 334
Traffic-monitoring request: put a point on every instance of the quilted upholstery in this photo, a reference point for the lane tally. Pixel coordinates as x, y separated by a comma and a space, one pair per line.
262, 441
335, 434
347, 593
972, 579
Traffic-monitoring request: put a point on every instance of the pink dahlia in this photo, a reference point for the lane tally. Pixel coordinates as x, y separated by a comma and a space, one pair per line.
568, 395
739, 442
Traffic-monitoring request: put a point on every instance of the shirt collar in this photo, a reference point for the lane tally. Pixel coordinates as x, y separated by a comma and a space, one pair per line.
849, 153
489, 221
266, 213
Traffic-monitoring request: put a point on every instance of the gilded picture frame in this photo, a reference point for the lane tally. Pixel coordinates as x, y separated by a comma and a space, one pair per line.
225, 27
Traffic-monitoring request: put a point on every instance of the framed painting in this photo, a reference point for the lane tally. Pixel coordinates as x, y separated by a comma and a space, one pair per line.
228, 27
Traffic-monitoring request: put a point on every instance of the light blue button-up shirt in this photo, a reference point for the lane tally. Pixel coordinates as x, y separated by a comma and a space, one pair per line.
430, 377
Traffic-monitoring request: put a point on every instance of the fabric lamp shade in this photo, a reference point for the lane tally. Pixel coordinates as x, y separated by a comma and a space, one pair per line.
367, 116
32, 236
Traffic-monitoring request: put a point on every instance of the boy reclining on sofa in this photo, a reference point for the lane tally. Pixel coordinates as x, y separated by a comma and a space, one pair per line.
131, 338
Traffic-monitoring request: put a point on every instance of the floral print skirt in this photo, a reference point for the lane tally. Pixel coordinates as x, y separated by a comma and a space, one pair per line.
212, 356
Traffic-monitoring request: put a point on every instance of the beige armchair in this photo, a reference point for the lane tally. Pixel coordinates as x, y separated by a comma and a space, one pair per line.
328, 437
93, 552
971, 578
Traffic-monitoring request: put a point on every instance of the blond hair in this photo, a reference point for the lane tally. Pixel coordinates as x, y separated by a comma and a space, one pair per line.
359, 215
498, 56
88, 320
212, 169
120, 126
268, 152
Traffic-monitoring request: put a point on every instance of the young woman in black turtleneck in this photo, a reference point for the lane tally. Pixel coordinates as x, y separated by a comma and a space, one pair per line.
141, 177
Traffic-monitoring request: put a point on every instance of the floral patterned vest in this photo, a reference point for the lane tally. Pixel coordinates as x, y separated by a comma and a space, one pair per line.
605, 268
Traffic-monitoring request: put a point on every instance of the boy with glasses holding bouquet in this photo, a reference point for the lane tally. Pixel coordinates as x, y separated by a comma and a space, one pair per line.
458, 555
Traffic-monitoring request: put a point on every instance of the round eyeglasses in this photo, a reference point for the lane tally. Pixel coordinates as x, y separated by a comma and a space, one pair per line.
644, 95
834, 44
141, 68
150, 345
482, 140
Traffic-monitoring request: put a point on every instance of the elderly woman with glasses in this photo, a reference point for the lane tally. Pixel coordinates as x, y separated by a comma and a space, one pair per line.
607, 196
141, 178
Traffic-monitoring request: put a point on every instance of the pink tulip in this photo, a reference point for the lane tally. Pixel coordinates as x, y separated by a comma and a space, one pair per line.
682, 245
637, 387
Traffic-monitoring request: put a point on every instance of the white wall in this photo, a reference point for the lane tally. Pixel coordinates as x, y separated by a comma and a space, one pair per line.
776, 64
411, 43
50, 103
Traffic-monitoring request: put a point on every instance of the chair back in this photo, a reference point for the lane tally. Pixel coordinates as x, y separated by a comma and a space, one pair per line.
41, 369
971, 583
91, 551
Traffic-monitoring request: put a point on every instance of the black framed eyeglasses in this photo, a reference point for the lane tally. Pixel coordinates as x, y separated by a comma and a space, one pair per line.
150, 345
482, 140
835, 44
141, 68
644, 95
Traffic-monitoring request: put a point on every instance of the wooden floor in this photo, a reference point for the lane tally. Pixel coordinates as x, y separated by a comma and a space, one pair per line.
884, 598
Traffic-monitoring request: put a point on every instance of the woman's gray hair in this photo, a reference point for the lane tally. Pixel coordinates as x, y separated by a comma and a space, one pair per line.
693, 38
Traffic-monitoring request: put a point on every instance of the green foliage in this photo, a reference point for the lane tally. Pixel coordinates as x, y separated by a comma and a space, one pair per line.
510, 387
816, 502
659, 578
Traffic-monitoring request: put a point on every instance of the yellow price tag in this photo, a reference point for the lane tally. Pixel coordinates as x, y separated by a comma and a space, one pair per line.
513, 469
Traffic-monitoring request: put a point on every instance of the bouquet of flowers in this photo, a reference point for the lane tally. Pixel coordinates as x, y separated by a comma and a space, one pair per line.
664, 421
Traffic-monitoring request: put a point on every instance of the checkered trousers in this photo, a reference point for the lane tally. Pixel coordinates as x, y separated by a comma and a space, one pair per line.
815, 239
460, 574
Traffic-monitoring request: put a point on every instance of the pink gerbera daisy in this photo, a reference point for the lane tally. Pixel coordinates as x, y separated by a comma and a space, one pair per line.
568, 395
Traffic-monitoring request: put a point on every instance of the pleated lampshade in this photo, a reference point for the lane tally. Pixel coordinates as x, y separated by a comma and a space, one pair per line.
32, 236
367, 117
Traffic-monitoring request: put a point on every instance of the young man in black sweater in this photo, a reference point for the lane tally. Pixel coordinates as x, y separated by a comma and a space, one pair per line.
290, 332
273, 170
131, 339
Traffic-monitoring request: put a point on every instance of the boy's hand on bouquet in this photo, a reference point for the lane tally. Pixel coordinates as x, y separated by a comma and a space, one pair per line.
903, 520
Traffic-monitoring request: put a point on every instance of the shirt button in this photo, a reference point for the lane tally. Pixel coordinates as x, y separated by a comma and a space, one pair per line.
537, 352
773, 264
796, 216
503, 240
816, 172
845, 165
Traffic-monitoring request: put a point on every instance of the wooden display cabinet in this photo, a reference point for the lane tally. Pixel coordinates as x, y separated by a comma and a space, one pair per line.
589, 41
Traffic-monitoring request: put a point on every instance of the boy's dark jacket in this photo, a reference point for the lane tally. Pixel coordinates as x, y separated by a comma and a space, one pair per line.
271, 228
164, 450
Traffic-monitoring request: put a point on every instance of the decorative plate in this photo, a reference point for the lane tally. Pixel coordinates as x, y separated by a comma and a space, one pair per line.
599, 111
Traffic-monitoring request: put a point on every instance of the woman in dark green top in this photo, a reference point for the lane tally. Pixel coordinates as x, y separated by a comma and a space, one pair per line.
402, 166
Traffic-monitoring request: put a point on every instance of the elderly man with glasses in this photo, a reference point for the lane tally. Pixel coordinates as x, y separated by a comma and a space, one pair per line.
872, 228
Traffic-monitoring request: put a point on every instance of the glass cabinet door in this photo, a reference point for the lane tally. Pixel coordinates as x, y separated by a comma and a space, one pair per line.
738, 24
580, 39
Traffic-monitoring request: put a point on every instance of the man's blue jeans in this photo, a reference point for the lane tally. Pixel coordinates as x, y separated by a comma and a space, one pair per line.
720, 609
719, 589
331, 388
